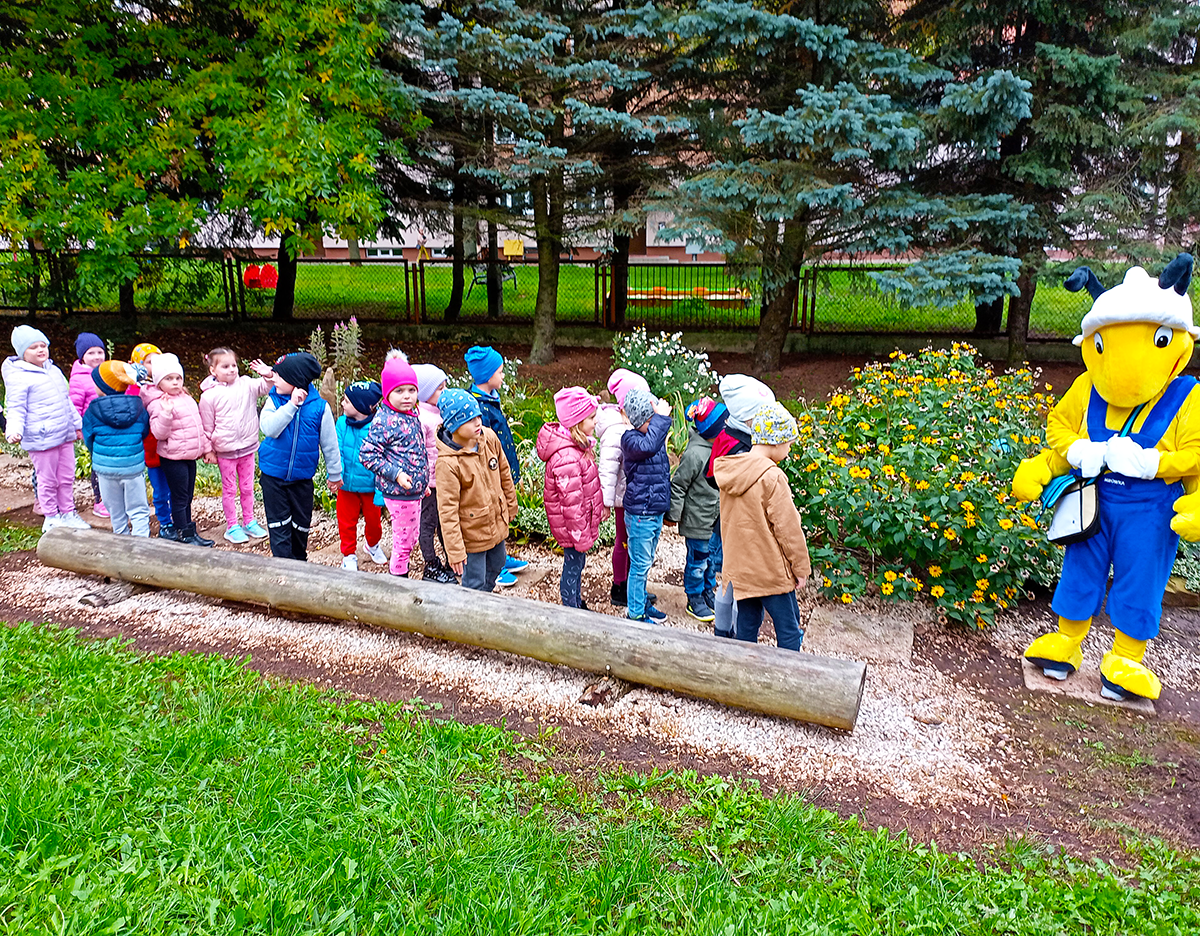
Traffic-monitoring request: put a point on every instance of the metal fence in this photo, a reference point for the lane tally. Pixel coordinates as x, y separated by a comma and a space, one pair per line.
831, 299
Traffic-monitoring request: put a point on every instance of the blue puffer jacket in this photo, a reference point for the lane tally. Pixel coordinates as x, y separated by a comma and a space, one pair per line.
397, 442
115, 427
647, 470
355, 478
493, 418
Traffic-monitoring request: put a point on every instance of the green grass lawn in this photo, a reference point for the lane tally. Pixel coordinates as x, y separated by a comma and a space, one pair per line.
186, 794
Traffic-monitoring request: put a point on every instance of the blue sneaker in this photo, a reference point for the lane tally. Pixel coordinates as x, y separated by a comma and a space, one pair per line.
513, 564
506, 579
235, 534
654, 614
254, 530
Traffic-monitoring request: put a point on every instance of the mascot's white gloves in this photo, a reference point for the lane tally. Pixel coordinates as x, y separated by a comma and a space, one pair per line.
1128, 458
1087, 456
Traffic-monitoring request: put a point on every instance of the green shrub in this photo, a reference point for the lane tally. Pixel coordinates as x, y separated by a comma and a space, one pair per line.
905, 479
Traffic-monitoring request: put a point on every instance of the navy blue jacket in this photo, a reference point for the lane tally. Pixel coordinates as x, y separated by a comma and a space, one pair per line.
294, 454
493, 418
114, 429
647, 469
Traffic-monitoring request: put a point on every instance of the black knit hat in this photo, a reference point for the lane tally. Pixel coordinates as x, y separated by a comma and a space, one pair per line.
298, 369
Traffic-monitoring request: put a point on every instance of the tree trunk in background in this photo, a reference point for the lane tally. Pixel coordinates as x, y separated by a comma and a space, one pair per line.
548, 194
622, 198
989, 317
353, 251
125, 299
285, 291
785, 258
1018, 315
495, 288
457, 262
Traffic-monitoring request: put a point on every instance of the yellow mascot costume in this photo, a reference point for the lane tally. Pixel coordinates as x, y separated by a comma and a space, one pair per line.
1132, 422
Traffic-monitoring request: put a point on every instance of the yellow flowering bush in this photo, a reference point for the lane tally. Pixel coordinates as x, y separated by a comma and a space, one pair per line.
904, 482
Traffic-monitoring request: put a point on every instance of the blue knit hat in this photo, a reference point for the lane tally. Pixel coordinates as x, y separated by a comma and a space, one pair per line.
708, 416
85, 342
482, 362
457, 407
364, 396
25, 335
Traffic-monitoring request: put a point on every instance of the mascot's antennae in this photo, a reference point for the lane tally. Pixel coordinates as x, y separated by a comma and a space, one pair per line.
1083, 276
1178, 274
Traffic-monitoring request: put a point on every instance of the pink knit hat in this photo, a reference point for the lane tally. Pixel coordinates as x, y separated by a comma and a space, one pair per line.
622, 381
573, 405
397, 372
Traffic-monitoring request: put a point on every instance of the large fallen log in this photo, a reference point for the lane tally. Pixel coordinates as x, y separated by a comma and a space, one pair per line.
760, 678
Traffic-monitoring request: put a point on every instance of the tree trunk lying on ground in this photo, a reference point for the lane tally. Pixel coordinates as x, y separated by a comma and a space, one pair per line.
760, 678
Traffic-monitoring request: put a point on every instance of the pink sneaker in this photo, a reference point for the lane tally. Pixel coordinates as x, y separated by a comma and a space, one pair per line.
100, 510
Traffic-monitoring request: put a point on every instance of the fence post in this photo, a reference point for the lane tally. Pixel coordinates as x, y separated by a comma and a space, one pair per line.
407, 294
424, 315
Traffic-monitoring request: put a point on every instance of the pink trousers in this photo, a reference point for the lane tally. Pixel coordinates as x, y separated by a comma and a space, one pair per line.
237, 483
406, 525
55, 479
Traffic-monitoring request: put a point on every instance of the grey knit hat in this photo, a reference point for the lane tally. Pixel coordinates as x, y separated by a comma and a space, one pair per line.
639, 406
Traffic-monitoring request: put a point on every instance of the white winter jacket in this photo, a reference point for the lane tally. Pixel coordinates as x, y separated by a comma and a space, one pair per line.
37, 405
611, 424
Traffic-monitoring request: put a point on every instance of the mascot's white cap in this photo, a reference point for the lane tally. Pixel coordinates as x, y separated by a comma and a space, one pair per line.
1139, 298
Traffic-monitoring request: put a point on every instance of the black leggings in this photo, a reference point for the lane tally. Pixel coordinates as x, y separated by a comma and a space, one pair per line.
431, 530
181, 482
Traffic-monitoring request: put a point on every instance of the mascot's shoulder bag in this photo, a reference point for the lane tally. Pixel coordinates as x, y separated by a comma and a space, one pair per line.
1076, 502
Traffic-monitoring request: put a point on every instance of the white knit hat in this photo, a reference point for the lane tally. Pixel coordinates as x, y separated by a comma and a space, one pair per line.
164, 365
1139, 298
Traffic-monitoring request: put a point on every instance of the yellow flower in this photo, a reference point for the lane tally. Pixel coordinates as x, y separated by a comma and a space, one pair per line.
937, 591
968, 506
826, 491
950, 534
981, 558
922, 485
935, 571
981, 583
1006, 524
890, 575
887, 588
968, 476
847, 598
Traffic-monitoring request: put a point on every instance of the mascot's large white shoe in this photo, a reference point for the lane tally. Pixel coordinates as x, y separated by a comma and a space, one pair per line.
1136, 341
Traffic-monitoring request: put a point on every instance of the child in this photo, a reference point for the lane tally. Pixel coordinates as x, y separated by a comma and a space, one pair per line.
41, 418
767, 562
89, 354
486, 366
574, 503
356, 497
299, 428
115, 427
696, 505
743, 396
229, 415
397, 449
647, 492
476, 496
139, 357
431, 381
175, 422
611, 424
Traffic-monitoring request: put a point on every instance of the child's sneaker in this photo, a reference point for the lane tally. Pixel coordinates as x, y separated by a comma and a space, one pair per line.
654, 614
513, 564
254, 530
377, 555
100, 510
506, 579
697, 608
50, 522
74, 521
235, 534
350, 563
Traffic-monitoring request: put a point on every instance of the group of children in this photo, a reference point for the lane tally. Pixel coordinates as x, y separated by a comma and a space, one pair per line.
441, 461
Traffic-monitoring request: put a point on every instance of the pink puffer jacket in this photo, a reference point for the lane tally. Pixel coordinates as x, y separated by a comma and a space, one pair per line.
83, 388
572, 488
229, 413
180, 435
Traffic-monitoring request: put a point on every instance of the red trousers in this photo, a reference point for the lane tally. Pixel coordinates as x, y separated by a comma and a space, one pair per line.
349, 505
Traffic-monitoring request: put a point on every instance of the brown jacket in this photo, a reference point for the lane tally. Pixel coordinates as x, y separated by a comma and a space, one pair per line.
475, 496
765, 551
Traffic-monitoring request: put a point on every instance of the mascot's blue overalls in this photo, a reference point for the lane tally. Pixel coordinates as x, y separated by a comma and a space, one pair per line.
1136, 340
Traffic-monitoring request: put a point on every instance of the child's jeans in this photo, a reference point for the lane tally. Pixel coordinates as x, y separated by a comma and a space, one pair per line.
55, 469
349, 505
644, 532
570, 587
162, 494
785, 615
288, 506
620, 558
237, 483
125, 499
406, 526
699, 569
483, 568
431, 529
